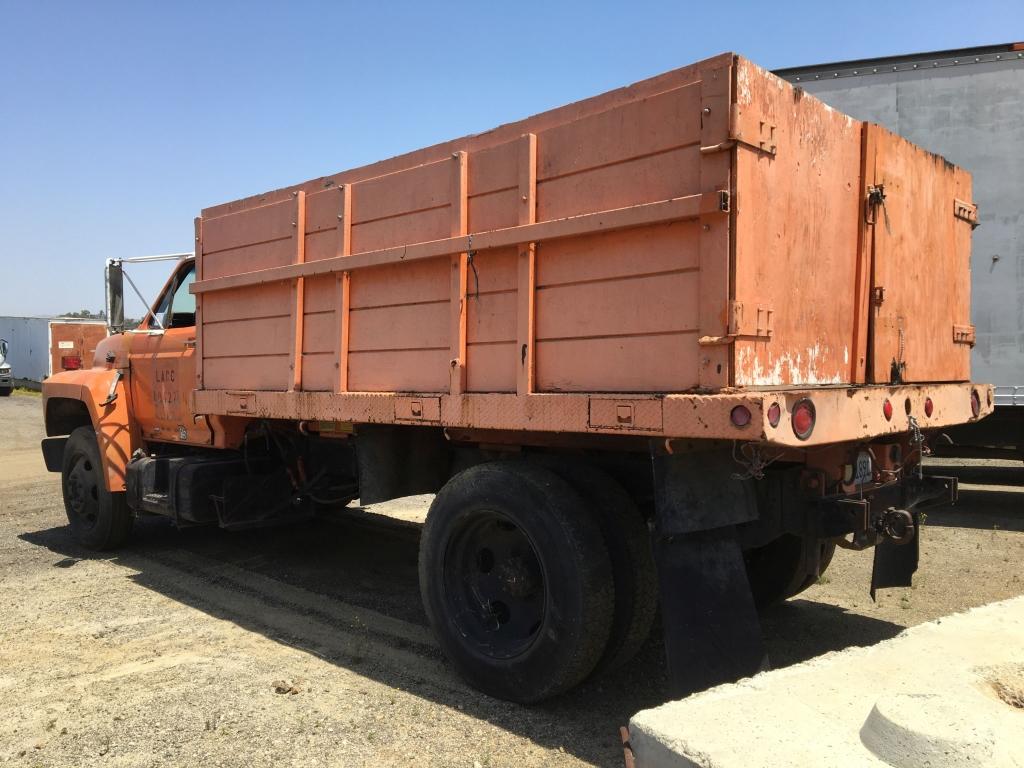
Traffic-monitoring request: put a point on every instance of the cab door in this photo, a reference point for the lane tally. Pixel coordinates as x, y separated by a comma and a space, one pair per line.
162, 364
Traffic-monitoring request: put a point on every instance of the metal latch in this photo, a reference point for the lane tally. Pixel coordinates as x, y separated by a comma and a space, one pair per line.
963, 334
876, 199
751, 321
966, 212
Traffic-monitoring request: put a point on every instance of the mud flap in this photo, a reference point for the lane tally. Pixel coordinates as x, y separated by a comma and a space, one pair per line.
712, 633
895, 564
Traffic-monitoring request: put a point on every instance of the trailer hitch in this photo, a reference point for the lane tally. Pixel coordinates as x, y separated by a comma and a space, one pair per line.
897, 525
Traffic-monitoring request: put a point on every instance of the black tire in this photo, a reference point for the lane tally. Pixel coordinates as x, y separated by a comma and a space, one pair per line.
5, 392
629, 548
99, 519
777, 571
516, 581
828, 550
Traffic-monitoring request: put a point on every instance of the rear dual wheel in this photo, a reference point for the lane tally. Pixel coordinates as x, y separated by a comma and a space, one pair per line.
627, 539
517, 581
785, 567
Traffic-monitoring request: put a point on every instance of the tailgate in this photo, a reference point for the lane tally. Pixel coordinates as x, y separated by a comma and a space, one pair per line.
919, 218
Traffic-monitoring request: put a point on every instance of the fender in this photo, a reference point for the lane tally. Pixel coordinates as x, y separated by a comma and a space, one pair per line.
114, 430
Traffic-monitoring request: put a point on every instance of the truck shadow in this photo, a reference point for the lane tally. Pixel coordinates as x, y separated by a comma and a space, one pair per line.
1005, 474
991, 497
345, 588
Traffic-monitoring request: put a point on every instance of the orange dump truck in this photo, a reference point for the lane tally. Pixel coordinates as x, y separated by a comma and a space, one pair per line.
669, 345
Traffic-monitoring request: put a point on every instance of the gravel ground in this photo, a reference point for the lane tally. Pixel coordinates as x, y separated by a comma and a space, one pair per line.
308, 646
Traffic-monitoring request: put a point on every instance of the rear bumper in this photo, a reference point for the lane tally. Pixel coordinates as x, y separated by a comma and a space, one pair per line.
844, 414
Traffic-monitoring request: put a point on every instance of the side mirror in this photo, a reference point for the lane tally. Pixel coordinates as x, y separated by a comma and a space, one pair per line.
115, 296
3, 350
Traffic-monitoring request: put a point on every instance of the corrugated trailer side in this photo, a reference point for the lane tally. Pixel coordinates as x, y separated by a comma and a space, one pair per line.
28, 353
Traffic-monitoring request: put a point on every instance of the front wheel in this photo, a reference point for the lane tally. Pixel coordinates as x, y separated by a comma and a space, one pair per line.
99, 519
516, 581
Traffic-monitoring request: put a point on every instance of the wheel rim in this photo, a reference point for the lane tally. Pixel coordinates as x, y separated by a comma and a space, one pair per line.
82, 492
494, 585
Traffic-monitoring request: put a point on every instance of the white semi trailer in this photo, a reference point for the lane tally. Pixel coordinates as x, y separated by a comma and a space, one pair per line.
968, 106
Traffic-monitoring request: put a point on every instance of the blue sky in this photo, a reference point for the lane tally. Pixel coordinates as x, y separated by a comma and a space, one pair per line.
120, 121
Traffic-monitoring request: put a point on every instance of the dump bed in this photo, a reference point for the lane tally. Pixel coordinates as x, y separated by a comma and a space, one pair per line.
710, 230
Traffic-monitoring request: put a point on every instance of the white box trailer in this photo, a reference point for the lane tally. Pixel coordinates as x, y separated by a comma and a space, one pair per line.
968, 106
37, 347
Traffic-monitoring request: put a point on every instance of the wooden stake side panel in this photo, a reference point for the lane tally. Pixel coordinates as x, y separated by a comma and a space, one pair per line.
614, 311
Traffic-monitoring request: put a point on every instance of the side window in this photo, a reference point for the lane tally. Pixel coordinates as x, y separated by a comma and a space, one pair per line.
182, 312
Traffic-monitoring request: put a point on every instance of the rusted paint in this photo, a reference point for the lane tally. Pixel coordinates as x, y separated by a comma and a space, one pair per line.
796, 233
843, 413
921, 264
703, 231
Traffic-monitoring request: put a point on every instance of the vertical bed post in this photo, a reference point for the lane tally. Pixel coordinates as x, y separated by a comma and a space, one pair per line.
342, 283
199, 303
298, 291
526, 284
459, 265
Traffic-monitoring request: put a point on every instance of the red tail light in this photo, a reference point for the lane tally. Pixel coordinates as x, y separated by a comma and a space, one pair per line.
740, 416
975, 403
887, 410
71, 363
803, 419
929, 407
774, 414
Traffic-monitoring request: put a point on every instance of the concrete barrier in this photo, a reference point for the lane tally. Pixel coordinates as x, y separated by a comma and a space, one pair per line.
943, 694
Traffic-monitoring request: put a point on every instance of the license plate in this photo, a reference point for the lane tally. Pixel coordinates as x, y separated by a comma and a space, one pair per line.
863, 474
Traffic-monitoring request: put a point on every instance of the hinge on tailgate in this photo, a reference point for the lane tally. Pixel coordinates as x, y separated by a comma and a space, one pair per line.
963, 334
765, 142
966, 211
753, 321
766, 139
